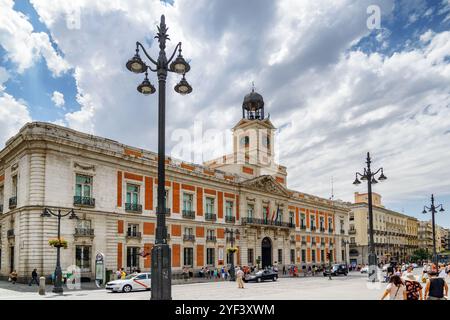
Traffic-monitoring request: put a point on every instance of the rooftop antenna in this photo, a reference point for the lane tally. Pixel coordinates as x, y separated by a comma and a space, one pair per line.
332, 189
253, 86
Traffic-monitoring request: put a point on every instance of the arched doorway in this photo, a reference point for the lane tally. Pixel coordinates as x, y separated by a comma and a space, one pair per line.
266, 251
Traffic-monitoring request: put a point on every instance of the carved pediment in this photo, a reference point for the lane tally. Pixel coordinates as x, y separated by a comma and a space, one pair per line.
267, 184
84, 166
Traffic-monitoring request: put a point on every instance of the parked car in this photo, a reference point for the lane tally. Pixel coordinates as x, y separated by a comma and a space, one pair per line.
133, 282
336, 269
365, 269
262, 276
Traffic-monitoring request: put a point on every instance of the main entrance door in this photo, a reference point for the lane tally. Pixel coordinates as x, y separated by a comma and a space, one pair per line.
266, 250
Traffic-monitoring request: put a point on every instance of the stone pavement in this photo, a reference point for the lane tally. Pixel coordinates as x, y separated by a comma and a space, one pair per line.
353, 287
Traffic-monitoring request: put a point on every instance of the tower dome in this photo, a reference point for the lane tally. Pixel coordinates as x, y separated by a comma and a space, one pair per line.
253, 106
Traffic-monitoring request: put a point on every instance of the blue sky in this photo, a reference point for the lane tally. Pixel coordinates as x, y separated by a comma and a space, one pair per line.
384, 90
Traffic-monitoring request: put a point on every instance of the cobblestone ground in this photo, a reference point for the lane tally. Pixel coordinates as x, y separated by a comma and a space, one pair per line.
353, 287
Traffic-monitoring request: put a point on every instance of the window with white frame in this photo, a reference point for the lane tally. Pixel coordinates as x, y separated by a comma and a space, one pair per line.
209, 205
83, 186
188, 201
250, 210
188, 231
133, 193
229, 208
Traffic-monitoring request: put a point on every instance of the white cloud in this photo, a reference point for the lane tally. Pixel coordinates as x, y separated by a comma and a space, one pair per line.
23, 46
58, 99
339, 104
13, 115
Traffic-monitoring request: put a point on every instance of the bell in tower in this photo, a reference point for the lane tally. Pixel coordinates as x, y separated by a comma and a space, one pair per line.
253, 106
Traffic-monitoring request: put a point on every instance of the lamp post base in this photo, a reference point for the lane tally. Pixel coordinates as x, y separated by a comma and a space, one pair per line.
58, 290
373, 267
161, 272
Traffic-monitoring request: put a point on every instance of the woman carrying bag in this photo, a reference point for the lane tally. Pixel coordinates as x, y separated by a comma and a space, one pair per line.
395, 289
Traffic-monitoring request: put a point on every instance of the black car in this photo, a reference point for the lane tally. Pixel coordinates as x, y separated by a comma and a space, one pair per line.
336, 269
262, 276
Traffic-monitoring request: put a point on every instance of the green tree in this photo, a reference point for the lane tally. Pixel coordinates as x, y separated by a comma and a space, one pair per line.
421, 254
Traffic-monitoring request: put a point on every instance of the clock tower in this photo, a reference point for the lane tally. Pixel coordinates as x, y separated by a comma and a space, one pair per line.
253, 144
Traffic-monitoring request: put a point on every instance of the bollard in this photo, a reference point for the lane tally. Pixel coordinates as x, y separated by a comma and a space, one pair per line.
42, 286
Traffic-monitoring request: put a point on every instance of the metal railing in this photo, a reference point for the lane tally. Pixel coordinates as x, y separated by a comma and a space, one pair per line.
303, 243
84, 201
134, 234
342, 231
10, 233
211, 238
84, 232
210, 217
230, 219
352, 231
330, 230
188, 237
302, 227
133, 207
266, 222
322, 229
12, 202
313, 228
189, 214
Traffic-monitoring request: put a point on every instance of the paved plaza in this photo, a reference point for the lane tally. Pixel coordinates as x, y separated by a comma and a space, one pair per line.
353, 287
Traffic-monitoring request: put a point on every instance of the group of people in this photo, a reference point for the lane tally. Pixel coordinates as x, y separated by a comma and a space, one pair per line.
34, 277
404, 285
220, 273
122, 274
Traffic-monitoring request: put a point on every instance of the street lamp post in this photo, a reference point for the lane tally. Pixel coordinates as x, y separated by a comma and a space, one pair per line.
433, 210
161, 253
370, 177
231, 233
57, 287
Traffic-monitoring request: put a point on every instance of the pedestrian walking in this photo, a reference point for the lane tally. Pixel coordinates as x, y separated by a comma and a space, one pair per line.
436, 288
13, 277
118, 274
34, 277
395, 289
123, 274
239, 278
284, 270
413, 287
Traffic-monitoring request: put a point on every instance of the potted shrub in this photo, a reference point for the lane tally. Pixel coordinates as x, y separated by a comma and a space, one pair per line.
58, 243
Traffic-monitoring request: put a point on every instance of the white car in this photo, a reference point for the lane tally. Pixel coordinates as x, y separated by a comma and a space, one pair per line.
133, 282
365, 269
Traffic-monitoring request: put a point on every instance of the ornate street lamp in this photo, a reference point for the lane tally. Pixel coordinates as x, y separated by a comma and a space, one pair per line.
369, 176
161, 254
230, 236
433, 210
57, 287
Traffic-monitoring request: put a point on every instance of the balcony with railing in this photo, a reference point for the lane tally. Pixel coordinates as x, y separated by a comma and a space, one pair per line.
292, 241
302, 227
303, 243
10, 233
188, 237
211, 238
84, 232
133, 207
266, 222
168, 211
188, 214
313, 228
12, 202
313, 243
133, 234
210, 216
342, 231
83, 201
352, 231
230, 219
322, 229
330, 230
